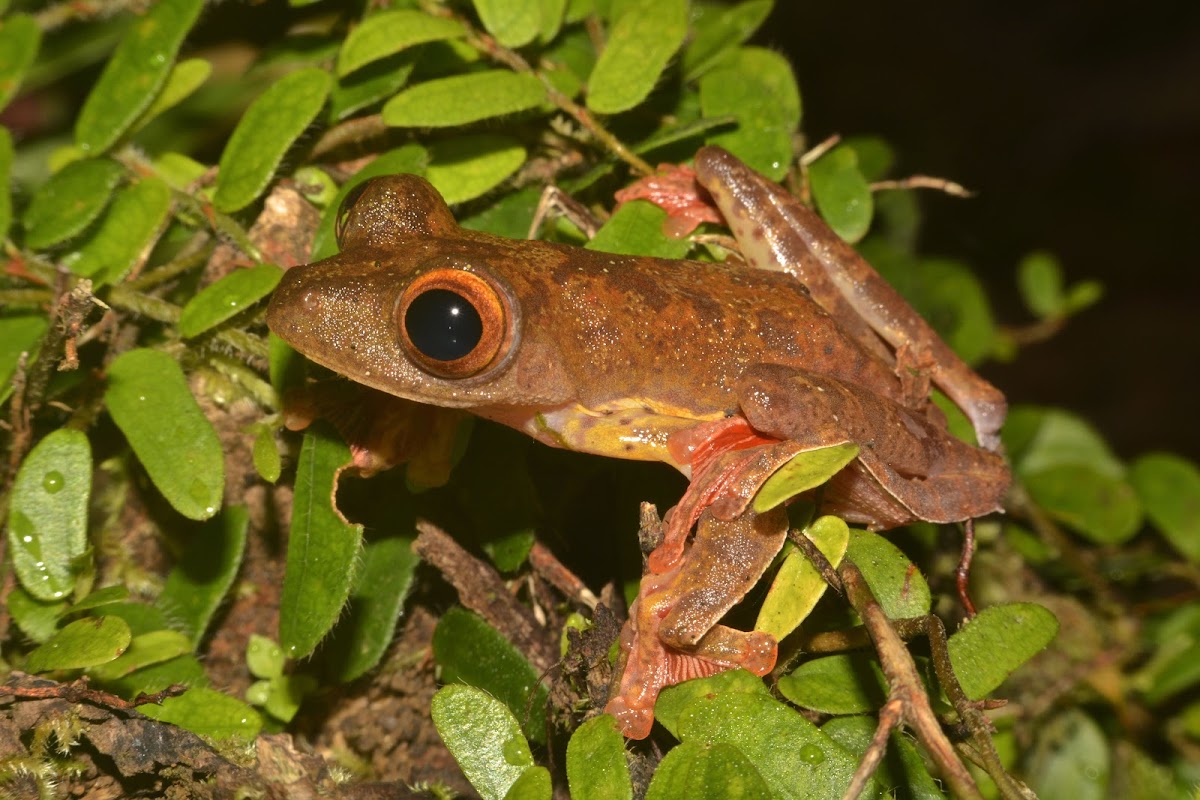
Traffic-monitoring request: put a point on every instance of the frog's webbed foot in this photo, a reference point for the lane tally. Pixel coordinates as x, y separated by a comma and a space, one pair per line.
672, 634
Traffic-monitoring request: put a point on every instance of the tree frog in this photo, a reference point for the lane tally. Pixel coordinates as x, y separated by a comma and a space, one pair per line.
724, 371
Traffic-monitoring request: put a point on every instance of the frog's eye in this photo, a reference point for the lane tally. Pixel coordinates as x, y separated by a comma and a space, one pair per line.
343, 214
453, 323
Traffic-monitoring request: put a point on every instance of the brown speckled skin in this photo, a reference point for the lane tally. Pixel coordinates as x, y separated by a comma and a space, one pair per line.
592, 328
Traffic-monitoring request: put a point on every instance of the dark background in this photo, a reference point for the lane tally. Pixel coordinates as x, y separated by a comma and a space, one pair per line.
1078, 125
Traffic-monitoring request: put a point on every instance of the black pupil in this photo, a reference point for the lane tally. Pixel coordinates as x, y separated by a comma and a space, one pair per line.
443, 325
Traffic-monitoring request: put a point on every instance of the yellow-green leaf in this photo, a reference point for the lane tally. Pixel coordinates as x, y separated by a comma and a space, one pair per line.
464, 168
596, 766
266, 131
1169, 488
806, 470
149, 648
186, 77
83, 643
226, 298
47, 524
757, 88
388, 32
998, 640
797, 585
897, 584
461, 99
209, 713
134, 74
640, 45
514, 23
149, 400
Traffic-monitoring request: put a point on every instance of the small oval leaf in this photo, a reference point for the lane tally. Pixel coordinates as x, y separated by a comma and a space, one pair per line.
322, 547
205, 572
389, 32
514, 23
719, 772
464, 168
797, 585
636, 228
209, 713
804, 471
640, 45
47, 524
483, 737
264, 134
185, 78
461, 99
897, 584
989, 647
83, 643
149, 648
596, 765
19, 334
838, 684
717, 29
70, 201
20, 38
149, 400
1039, 277
226, 298
268, 463
134, 220
841, 193
1102, 508
134, 74
1169, 488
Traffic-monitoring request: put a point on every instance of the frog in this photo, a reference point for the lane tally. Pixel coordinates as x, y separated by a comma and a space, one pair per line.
723, 370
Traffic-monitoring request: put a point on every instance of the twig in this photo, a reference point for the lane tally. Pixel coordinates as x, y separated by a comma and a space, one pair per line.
943, 185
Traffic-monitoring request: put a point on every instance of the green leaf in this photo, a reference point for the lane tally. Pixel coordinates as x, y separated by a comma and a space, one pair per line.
806, 470
83, 643
19, 334
875, 155
268, 463
897, 584
716, 772
509, 216
264, 658
903, 768
533, 784
551, 19
1040, 438
514, 23
841, 193
411, 158
811, 765
1102, 508
149, 648
636, 228
757, 88
1070, 758
149, 400
1083, 294
838, 684
20, 38
6, 160
389, 32
264, 134
47, 525
101, 597
472, 652
674, 700
1169, 488
226, 298
70, 201
322, 547
462, 99
596, 766
186, 77
378, 80
990, 647
134, 74
639, 46
133, 221
37, 619
205, 572
369, 623
1039, 277
951, 298
466, 167
484, 738
797, 585
717, 30
209, 713
286, 693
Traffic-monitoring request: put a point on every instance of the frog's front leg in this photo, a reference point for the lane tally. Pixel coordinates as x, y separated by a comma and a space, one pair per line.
672, 634
775, 230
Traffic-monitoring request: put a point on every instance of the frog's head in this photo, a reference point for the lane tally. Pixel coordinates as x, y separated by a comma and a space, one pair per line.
417, 307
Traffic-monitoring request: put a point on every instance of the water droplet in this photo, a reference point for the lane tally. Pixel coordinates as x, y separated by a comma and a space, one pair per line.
27, 539
812, 754
53, 481
59, 594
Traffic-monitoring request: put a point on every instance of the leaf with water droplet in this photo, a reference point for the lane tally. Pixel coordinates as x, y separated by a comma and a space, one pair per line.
83, 643
226, 298
149, 400
47, 530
